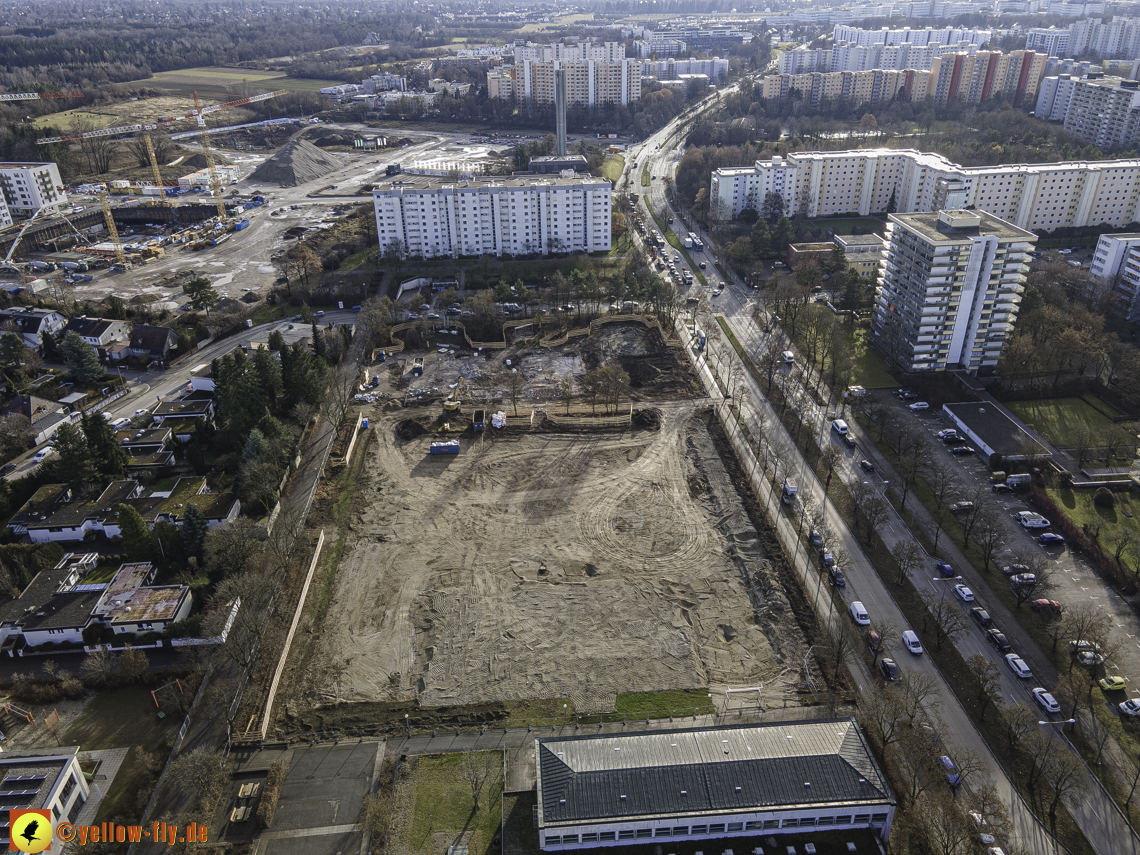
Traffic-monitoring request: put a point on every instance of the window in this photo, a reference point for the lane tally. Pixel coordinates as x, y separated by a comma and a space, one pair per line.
553, 840
879, 817
716, 828
754, 825
570, 838
606, 835
680, 830
862, 818
790, 823
700, 829
626, 835
736, 826
661, 832
644, 832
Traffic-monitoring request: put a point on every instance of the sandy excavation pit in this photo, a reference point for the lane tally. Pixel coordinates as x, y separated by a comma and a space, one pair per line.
550, 565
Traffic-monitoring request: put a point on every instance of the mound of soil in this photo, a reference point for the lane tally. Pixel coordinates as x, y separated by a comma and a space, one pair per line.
297, 163
410, 429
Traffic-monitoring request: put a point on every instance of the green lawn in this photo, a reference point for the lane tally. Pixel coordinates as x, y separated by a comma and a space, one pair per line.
645, 178
870, 370
1057, 418
612, 168
1079, 506
444, 805
358, 260
124, 718
659, 704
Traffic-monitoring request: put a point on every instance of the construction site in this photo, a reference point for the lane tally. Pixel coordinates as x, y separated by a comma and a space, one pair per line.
561, 558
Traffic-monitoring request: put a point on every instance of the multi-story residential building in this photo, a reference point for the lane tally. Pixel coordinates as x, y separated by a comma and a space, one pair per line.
1115, 39
1036, 196
98, 332
699, 38
501, 83
849, 56
31, 324
927, 36
714, 68
1051, 41
44, 779
27, 187
962, 76
950, 289
384, 82
1116, 263
1105, 111
595, 74
494, 217
665, 47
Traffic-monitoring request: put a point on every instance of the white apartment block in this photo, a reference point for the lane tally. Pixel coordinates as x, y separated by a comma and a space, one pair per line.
715, 68
589, 82
1038, 196
1105, 111
576, 52
1049, 41
950, 289
501, 83
1116, 262
430, 219
1115, 39
27, 187
1054, 97
926, 36
849, 56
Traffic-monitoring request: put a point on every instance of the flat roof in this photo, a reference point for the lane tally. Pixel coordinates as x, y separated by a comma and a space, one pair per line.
996, 428
933, 229
30, 774
476, 183
706, 770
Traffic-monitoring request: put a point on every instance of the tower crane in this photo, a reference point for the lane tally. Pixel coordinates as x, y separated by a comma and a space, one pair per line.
215, 182
37, 96
154, 167
111, 229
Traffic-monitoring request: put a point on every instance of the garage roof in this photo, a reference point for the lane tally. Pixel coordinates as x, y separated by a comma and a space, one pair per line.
793, 764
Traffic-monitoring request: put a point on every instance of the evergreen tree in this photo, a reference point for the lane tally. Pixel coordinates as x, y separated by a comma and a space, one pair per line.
782, 235
761, 238
105, 453
81, 359
268, 376
194, 528
276, 341
303, 374
51, 347
72, 461
893, 203
138, 540
241, 400
256, 447
318, 341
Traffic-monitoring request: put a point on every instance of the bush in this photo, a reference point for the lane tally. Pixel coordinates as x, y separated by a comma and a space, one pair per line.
97, 633
1103, 498
269, 795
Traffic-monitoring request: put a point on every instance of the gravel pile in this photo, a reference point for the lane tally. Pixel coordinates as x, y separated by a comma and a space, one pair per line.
297, 163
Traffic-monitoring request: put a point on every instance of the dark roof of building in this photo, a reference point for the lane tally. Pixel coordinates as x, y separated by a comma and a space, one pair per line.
44, 502
144, 337
63, 611
706, 770
34, 408
997, 429
29, 769
33, 597
89, 327
183, 407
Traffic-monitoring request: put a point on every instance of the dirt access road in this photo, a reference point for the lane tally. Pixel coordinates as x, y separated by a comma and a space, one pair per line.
545, 566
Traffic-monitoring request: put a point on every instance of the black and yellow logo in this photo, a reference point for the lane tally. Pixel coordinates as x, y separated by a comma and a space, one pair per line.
29, 830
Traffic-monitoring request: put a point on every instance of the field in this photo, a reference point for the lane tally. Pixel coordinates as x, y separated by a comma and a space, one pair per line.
545, 564
1057, 418
870, 370
434, 808
612, 168
1124, 514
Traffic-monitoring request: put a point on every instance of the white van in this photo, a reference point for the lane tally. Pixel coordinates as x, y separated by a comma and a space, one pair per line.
43, 454
1028, 519
859, 614
789, 357
839, 426
910, 639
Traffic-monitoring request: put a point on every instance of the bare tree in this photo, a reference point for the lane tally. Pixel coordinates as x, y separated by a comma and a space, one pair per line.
908, 556
1066, 776
986, 802
251, 593
566, 392
948, 829
339, 396
889, 635
915, 451
514, 383
98, 665
1037, 585
1020, 720
918, 693
478, 767
203, 773
373, 818
915, 763
232, 548
843, 644
881, 714
99, 152
828, 459
941, 478
949, 620
968, 761
991, 537
982, 505
132, 664
987, 675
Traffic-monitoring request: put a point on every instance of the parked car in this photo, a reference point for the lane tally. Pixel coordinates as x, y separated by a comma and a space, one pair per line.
1079, 644
952, 776
954, 440
848, 440
945, 569
1050, 538
319, 314
1113, 684
1045, 606
828, 558
859, 614
6, 468
874, 641
1001, 487
1090, 658
942, 434
997, 638
836, 576
891, 671
980, 616
1130, 707
919, 405
964, 594
911, 642
120, 423
867, 465
1045, 700
1017, 666
958, 507
962, 449
43, 454
1023, 580
1014, 569
815, 538
907, 395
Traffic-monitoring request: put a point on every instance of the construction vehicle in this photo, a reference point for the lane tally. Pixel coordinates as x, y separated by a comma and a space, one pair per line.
451, 404
478, 420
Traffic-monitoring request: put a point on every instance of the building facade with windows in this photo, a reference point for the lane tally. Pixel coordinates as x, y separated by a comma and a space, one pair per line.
42, 779
1116, 263
1036, 196
708, 784
27, 187
950, 289
513, 216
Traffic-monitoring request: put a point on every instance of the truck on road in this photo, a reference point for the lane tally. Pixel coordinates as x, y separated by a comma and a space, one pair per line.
790, 490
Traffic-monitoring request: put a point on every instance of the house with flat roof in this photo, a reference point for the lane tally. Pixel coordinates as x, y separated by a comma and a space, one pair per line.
994, 430
42, 779
184, 409
708, 784
130, 603
147, 450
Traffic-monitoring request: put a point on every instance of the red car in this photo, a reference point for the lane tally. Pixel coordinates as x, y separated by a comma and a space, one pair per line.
1045, 605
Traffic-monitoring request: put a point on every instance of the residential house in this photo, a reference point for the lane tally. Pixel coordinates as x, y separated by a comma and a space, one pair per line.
46, 416
51, 515
98, 332
31, 324
196, 408
147, 450
155, 342
130, 603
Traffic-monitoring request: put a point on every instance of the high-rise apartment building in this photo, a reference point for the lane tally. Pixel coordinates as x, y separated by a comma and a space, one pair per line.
1116, 263
27, 187
926, 36
950, 289
431, 218
1115, 39
1105, 111
1037, 196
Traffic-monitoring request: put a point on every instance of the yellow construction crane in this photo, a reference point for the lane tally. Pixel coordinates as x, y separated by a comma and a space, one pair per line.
111, 230
215, 182
154, 167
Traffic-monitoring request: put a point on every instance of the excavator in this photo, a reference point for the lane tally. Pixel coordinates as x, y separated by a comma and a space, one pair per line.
451, 404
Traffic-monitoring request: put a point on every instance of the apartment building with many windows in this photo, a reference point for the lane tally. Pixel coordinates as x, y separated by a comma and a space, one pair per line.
1116, 263
27, 187
950, 289
513, 216
1036, 196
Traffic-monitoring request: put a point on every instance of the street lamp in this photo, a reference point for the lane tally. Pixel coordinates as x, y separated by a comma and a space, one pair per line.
1062, 723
